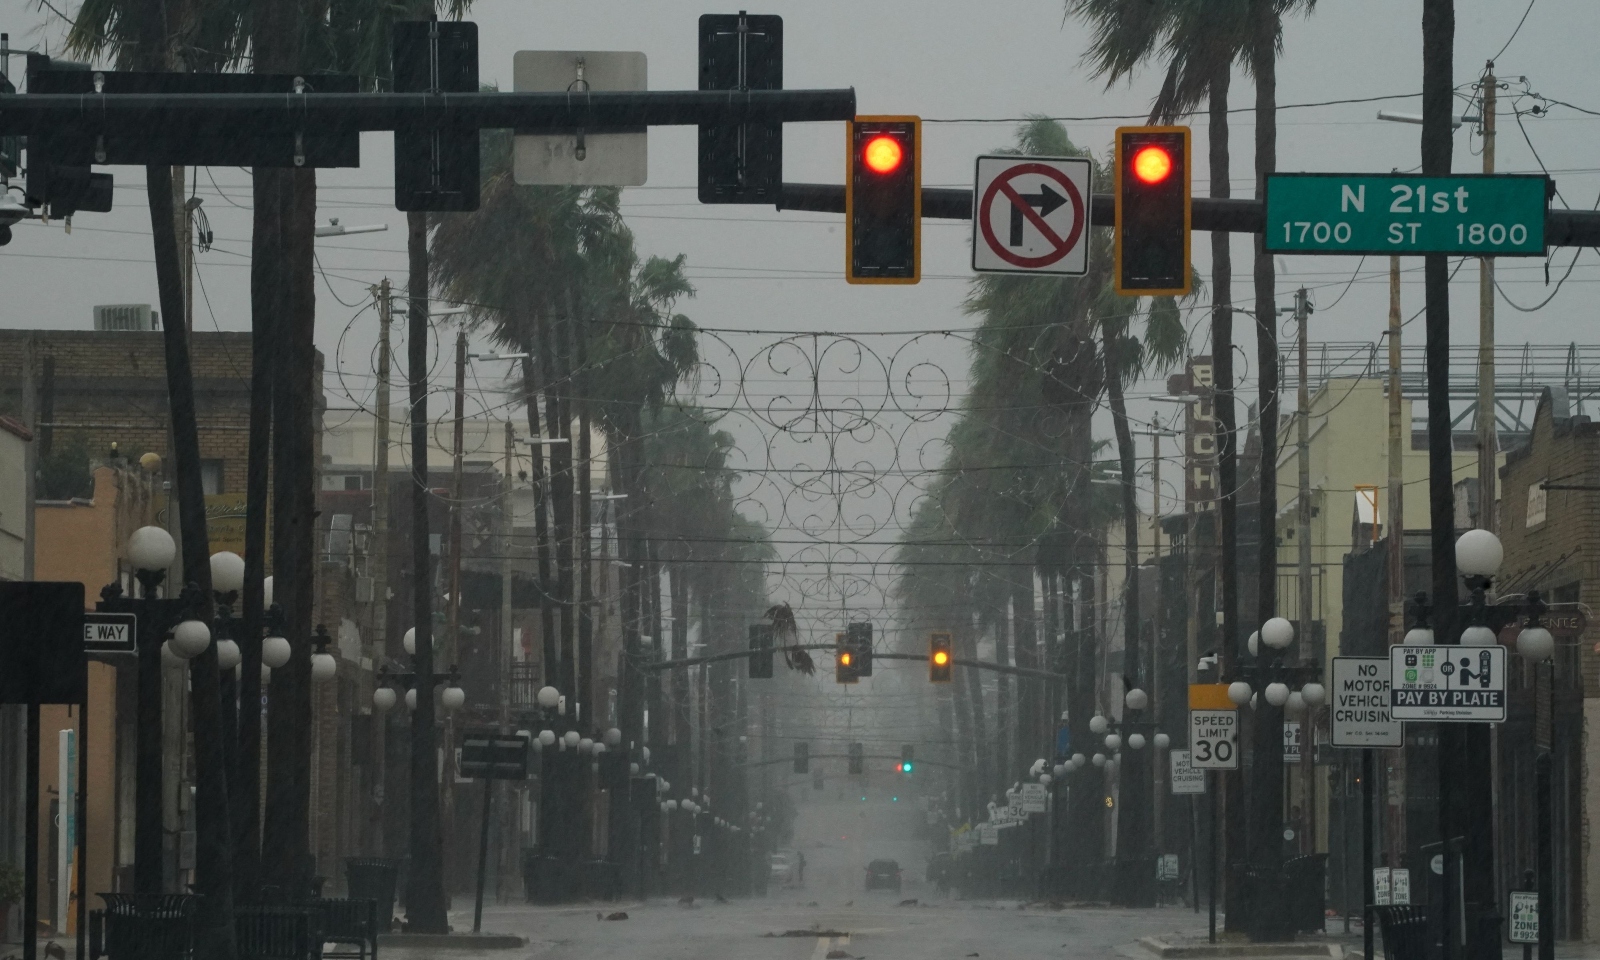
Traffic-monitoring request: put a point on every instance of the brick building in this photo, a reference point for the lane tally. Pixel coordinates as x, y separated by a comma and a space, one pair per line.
1550, 538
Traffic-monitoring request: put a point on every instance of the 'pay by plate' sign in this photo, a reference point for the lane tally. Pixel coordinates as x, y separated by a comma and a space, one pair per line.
1448, 683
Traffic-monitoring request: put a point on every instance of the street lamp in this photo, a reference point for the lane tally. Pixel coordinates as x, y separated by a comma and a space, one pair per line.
151, 551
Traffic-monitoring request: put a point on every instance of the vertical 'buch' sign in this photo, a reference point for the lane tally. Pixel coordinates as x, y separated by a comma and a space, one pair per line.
1361, 716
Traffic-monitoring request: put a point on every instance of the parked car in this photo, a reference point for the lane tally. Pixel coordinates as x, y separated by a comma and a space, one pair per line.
883, 875
781, 869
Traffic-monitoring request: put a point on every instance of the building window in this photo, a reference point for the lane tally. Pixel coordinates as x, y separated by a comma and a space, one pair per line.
211, 477
352, 481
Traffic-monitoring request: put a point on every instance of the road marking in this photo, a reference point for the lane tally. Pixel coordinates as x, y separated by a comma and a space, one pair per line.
825, 945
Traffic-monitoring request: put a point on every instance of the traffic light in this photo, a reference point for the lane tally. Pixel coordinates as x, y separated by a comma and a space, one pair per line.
802, 758
859, 638
59, 178
844, 660
939, 657
435, 163
1152, 221
761, 636
883, 200
856, 756
907, 762
741, 162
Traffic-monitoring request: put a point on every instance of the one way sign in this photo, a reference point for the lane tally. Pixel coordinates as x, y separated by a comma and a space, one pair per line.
1031, 215
110, 633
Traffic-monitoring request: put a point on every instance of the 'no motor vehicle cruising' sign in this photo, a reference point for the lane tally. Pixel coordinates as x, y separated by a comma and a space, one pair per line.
1361, 704
1031, 215
1448, 682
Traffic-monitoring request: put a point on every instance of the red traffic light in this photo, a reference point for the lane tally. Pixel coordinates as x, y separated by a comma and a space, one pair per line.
883, 154
1152, 164
845, 658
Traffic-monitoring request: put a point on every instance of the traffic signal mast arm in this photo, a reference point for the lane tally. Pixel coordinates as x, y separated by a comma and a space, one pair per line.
154, 114
918, 657
1563, 228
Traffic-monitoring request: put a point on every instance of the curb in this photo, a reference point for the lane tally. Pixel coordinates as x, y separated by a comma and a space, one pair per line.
452, 941
1184, 951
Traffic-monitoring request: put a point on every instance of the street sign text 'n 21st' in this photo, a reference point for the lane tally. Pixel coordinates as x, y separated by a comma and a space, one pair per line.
1031, 215
1479, 215
1448, 683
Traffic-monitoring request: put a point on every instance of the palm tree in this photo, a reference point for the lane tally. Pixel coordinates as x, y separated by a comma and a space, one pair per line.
187, 35
1201, 40
553, 272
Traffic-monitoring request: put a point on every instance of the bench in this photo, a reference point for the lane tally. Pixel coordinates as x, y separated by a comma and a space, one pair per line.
277, 933
347, 923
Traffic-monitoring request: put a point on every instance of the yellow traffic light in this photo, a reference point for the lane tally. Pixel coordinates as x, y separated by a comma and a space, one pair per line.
940, 658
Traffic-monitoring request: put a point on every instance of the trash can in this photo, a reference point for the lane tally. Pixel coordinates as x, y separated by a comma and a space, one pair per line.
373, 878
1305, 892
602, 879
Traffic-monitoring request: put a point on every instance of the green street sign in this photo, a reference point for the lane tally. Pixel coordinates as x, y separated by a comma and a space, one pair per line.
1356, 213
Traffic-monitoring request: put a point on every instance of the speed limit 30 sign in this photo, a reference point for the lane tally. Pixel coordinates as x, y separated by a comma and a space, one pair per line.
1214, 739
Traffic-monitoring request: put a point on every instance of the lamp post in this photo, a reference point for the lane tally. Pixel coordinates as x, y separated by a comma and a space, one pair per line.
425, 886
1267, 920
227, 577
1537, 646
1466, 798
151, 550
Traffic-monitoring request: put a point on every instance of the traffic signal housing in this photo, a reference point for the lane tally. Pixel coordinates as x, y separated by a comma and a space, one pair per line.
802, 758
741, 162
907, 760
761, 641
1152, 220
940, 659
435, 164
883, 200
844, 660
857, 755
859, 638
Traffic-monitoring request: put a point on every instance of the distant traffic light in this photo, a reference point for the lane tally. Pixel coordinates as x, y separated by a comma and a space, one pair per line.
802, 758
906, 759
859, 638
1152, 220
939, 657
856, 756
883, 200
761, 639
844, 660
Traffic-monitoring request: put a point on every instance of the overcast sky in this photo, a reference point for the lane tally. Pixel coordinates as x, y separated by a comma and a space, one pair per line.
978, 62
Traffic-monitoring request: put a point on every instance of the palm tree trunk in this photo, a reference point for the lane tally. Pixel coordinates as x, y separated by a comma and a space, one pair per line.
214, 836
1226, 517
1005, 718
1026, 641
266, 305
557, 371
966, 643
1134, 778
425, 902
541, 517
678, 706
587, 686
1266, 786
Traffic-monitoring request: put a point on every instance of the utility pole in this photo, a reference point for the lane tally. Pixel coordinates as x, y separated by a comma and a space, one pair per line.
453, 651
1302, 315
507, 634
1487, 434
1158, 771
378, 554
1395, 542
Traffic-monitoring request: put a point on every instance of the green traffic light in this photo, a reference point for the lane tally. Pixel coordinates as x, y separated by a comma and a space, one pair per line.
905, 767
894, 799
